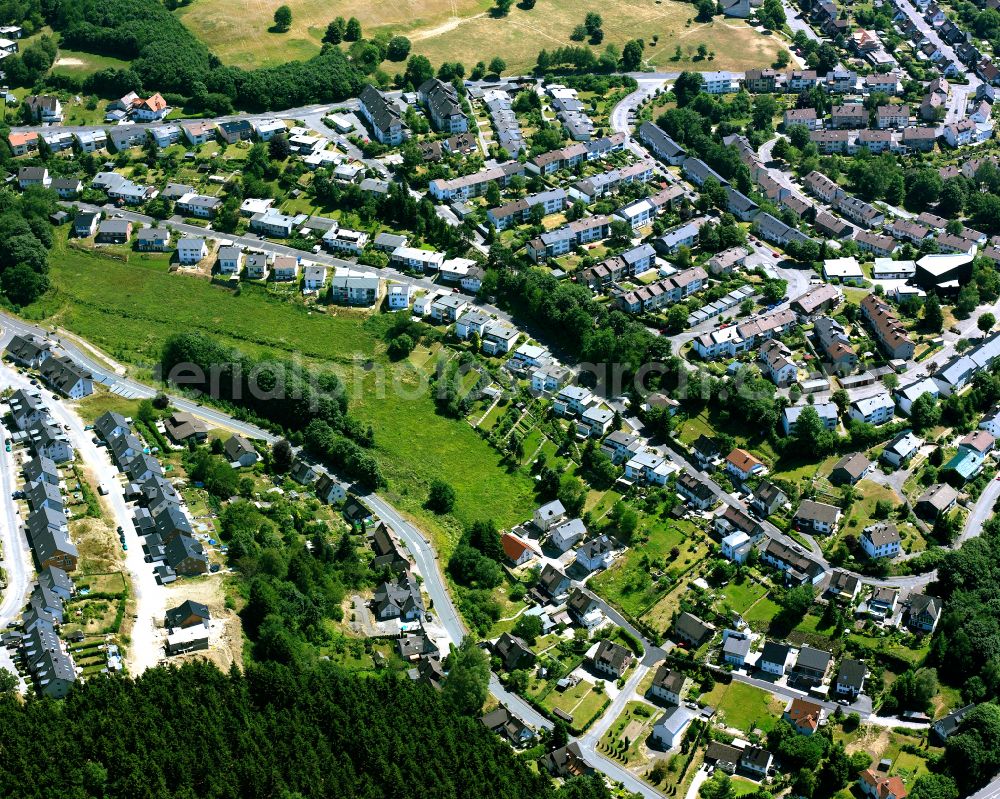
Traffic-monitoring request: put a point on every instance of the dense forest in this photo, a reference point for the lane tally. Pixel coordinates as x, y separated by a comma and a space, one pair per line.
271, 732
25, 239
966, 649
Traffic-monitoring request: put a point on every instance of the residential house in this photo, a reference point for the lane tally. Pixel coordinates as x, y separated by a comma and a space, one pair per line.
64, 377
584, 609
817, 517
692, 630
743, 465
240, 451
850, 679
695, 491
518, 552
943, 728
924, 613
199, 206
552, 581
803, 715
612, 659
878, 785
23, 143
768, 498
567, 761
660, 144
826, 411
851, 468
382, 116
801, 116
183, 428
846, 270
152, 239
191, 250
668, 685
648, 467
503, 723
236, 130
548, 515
67, 188
775, 658
399, 599
565, 534
881, 540
735, 648
843, 586
44, 109
670, 728
811, 665
28, 351
936, 500
890, 333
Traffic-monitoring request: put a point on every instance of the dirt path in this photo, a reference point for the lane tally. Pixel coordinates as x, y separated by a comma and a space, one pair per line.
444, 27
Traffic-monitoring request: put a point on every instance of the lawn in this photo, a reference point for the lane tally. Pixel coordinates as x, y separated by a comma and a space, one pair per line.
128, 309
744, 707
79, 64
759, 616
739, 597
581, 701
464, 30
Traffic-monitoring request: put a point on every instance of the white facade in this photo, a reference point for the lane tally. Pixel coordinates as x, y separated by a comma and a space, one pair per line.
191, 250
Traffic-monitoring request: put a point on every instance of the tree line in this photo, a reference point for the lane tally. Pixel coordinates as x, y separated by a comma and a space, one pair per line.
279, 392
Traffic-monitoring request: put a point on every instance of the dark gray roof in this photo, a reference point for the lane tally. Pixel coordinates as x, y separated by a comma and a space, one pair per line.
852, 673
187, 608
182, 548
813, 659
775, 652
383, 113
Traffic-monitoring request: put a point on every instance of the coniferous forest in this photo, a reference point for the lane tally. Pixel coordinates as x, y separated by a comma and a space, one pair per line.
195, 733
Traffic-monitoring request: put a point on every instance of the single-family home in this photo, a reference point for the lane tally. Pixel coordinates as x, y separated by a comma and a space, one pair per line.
190, 250
850, 469
803, 715
668, 685
692, 630
743, 465
518, 552
611, 659
775, 658
817, 517
597, 553
881, 540
670, 728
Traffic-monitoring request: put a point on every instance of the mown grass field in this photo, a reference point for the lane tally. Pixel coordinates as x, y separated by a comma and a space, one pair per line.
744, 707
80, 64
464, 30
128, 309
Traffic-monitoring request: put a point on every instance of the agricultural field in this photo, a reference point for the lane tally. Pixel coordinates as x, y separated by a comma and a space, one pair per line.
129, 309
238, 31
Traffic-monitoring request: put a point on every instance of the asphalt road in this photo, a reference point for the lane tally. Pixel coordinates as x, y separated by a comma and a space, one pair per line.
16, 556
